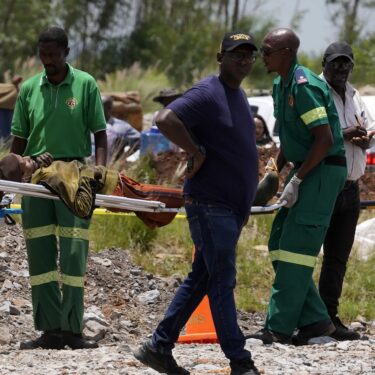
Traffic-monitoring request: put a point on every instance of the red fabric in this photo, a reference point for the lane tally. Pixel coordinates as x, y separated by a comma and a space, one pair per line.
172, 198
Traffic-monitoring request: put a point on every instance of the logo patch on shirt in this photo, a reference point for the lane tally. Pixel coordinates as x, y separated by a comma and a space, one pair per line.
300, 76
301, 79
71, 102
290, 100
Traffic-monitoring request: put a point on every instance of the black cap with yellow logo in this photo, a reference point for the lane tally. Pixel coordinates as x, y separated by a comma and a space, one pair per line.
234, 39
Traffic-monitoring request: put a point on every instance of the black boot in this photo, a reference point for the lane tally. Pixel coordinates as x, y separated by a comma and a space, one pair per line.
321, 328
243, 367
51, 339
268, 337
164, 363
77, 341
343, 333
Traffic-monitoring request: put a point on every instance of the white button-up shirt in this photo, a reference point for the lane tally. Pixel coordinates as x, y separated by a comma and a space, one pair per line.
351, 113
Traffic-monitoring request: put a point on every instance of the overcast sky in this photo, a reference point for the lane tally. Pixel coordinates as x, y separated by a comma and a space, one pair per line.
316, 31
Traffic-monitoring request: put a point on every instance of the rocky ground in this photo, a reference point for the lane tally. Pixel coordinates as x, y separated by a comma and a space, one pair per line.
123, 305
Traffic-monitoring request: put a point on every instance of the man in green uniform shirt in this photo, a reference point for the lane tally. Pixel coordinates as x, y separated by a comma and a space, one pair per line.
55, 112
311, 139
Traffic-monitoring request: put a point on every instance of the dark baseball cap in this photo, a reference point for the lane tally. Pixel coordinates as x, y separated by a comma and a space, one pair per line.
338, 49
232, 40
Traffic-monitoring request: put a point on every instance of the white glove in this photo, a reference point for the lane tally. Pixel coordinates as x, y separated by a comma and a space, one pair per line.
290, 193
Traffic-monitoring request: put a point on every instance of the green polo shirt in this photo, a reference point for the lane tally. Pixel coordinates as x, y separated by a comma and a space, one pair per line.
59, 118
301, 103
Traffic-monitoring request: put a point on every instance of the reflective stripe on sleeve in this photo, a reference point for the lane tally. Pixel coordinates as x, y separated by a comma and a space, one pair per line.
313, 115
289, 257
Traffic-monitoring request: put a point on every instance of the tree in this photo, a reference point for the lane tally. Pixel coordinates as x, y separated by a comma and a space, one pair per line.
345, 15
364, 57
20, 24
182, 36
92, 25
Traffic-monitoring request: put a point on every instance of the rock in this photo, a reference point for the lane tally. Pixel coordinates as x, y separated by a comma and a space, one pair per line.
321, 340
7, 284
356, 325
94, 330
5, 335
103, 262
14, 311
21, 303
149, 297
5, 307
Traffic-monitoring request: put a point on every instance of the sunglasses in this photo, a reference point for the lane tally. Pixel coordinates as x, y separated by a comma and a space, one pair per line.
340, 65
269, 52
237, 56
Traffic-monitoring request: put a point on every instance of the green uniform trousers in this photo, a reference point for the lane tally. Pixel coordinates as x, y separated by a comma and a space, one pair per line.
55, 236
296, 238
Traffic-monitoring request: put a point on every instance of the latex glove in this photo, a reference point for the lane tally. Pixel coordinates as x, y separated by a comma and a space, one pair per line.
290, 193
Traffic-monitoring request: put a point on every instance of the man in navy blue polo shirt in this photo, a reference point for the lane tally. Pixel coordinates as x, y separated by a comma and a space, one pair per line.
212, 122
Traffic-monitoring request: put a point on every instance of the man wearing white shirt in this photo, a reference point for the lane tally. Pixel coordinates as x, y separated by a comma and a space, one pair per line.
338, 63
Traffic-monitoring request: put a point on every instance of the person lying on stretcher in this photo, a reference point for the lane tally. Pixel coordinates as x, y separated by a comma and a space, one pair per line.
76, 185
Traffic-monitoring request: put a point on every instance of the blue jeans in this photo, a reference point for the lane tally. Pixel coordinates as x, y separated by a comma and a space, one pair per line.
215, 232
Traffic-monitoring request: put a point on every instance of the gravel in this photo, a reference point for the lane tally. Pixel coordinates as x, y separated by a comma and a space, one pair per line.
123, 305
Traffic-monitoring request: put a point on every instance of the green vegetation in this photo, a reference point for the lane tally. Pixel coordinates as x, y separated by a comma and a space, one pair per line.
147, 82
168, 250
176, 39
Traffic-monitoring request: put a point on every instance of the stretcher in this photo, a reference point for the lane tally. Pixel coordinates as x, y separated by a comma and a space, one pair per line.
110, 201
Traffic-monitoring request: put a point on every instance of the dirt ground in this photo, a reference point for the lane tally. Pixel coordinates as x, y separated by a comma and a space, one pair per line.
169, 165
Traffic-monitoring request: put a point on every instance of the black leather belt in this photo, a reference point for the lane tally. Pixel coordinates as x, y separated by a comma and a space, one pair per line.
350, 183
329, 160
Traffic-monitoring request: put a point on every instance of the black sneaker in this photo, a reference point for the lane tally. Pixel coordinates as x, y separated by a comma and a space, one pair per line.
268, 337
51, 339
163, 363
321, 328
243, 367
343, 333
77, 341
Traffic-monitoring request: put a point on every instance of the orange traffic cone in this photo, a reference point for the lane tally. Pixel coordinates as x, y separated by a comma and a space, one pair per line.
200, 327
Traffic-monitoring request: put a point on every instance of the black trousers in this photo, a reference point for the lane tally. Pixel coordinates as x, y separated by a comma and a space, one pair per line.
337, 246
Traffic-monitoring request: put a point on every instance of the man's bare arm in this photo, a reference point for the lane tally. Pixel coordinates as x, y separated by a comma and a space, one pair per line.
174, 129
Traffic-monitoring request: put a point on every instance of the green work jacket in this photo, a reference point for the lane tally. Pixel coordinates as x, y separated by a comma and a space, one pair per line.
301, 103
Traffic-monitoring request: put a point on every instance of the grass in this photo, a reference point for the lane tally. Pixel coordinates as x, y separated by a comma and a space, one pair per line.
167, 251
147, 82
